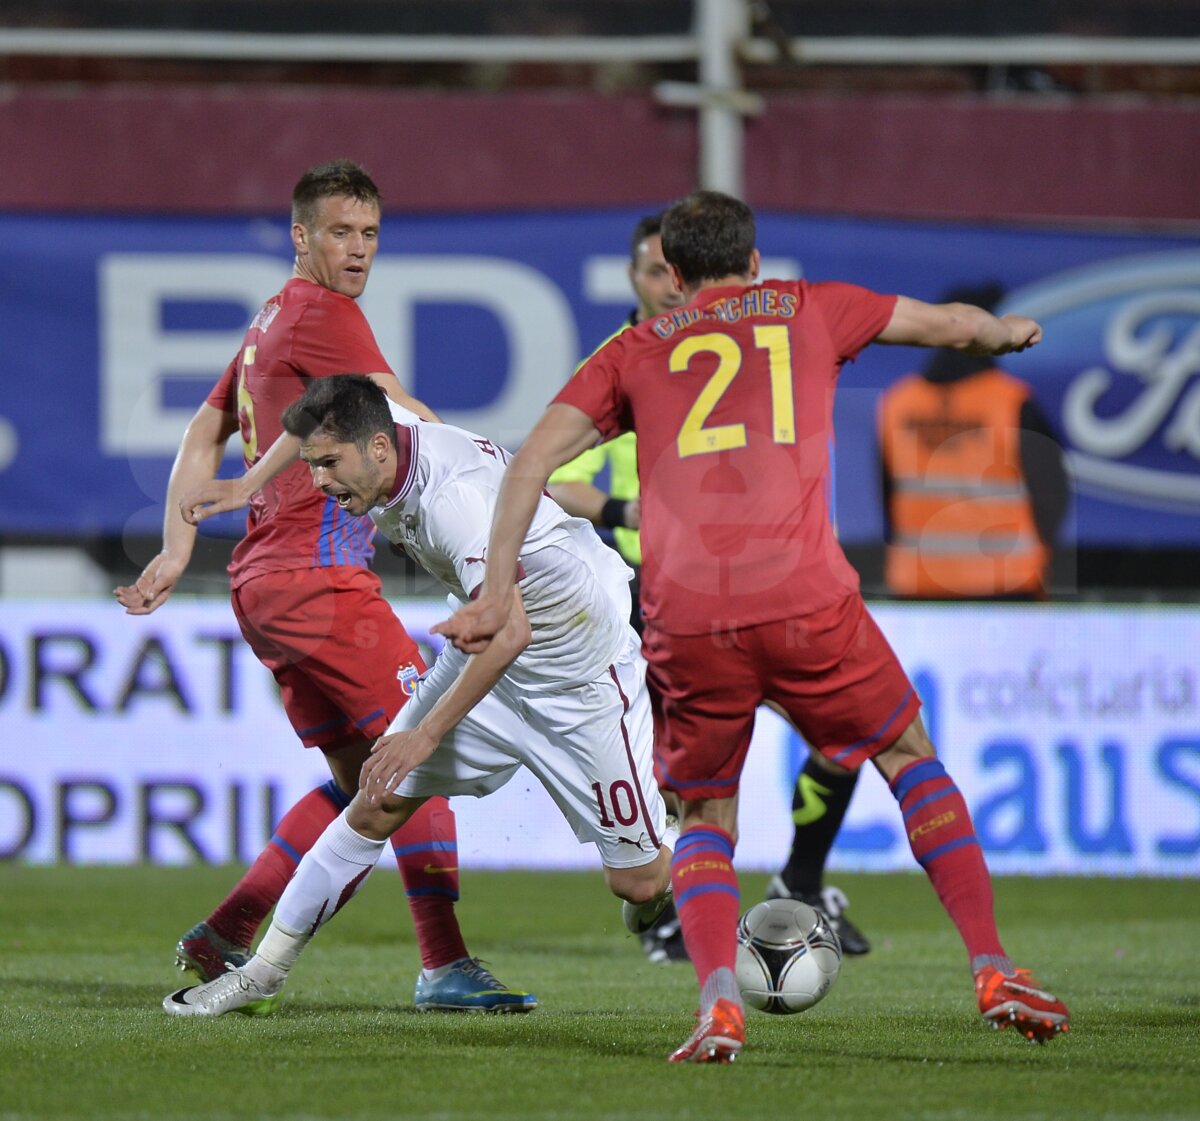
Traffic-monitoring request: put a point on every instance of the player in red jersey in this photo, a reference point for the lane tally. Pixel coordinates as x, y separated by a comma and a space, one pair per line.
823, 789
746, 591
303, 594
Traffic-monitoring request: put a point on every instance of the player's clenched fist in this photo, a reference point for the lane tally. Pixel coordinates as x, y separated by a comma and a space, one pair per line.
473, 626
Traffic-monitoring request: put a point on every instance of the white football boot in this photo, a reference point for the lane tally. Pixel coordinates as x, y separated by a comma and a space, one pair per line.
231, 992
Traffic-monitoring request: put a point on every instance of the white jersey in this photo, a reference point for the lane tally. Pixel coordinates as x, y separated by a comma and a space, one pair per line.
575, 588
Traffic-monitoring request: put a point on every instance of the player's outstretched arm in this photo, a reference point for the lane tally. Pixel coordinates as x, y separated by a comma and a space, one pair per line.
219, 496
393, 756
958, 326
563, 432
196, 462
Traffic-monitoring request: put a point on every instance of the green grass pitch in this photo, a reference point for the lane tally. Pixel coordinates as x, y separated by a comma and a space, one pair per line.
85, 959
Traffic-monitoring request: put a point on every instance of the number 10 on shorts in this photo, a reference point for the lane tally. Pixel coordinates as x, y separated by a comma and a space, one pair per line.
622, 801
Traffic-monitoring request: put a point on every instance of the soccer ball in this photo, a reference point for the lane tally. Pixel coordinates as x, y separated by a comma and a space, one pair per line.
788, 956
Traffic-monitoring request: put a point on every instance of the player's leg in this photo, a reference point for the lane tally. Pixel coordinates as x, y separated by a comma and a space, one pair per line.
222, 940
708, 900
942, 838
426, 849
328, 876
663, 942
369, 666
271, 612
345, 666
592, 747
852, 699
819, 803
703, 723
642, 887
824, 667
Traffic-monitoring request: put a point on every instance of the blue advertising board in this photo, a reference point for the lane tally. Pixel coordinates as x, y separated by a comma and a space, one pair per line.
1073, 732
114, 328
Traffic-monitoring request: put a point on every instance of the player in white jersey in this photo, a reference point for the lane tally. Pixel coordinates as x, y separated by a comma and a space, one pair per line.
562, 693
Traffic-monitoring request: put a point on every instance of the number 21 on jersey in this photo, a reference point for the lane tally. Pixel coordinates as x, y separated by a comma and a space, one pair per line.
694, 438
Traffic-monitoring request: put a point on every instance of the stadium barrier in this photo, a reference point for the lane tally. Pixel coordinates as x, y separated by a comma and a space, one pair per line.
1074, 732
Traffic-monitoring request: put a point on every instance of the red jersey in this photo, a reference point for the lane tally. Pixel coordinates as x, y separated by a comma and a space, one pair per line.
731, 397
304, 332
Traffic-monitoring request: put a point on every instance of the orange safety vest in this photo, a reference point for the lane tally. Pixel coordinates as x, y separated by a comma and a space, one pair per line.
962, 520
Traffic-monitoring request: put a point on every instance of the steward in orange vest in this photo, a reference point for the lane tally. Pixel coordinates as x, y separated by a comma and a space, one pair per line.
974, 483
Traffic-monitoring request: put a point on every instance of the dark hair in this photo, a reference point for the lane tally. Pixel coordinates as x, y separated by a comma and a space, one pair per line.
348, 408
708, 235
330, 180
646, 227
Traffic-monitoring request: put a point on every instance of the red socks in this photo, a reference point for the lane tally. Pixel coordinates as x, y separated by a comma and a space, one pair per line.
426, 849
707, 898
942, 838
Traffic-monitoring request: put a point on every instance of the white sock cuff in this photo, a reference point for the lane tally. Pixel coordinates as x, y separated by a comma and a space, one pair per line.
344, 842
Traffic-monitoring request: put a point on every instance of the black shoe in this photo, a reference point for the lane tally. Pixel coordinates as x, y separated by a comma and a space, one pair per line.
832, 903
663, 942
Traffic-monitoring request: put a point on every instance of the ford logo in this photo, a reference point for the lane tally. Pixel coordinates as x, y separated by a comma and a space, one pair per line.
1118, 366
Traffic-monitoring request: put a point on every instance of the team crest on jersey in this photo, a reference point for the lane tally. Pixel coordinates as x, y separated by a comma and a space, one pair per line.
408, 676
263, 319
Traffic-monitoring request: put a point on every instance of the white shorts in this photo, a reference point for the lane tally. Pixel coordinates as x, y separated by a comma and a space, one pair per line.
590, 745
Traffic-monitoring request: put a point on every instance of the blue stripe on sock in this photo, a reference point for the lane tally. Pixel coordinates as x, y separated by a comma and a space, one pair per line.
711, 841
699, 850
449, 893
915, 775
949, 790
285, 848
705, 889
335, 794
426, 846
949, 846
706, 844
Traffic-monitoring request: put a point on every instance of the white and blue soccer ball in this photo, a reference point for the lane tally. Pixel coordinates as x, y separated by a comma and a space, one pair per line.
788, 956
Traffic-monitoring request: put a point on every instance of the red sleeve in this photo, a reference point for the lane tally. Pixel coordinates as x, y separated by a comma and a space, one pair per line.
223, 395
333, 337
853, 315
596, 390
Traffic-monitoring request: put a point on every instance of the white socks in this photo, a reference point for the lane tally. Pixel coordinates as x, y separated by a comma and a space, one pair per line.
330, 873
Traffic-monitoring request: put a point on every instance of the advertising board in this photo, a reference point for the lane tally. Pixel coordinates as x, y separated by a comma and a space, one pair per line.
1074, 733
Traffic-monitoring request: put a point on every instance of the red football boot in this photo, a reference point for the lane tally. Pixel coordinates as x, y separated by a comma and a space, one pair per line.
1021, 1001
718, 1037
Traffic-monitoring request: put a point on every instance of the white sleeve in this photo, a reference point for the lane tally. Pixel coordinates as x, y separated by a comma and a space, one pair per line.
459, 521
401, 415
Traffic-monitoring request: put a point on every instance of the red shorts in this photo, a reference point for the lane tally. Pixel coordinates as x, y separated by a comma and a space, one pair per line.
833, 672
343, 661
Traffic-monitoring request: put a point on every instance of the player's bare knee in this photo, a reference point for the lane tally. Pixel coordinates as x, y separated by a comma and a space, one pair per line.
718, 812
913, 744
641, 884
378, 821
633, 891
